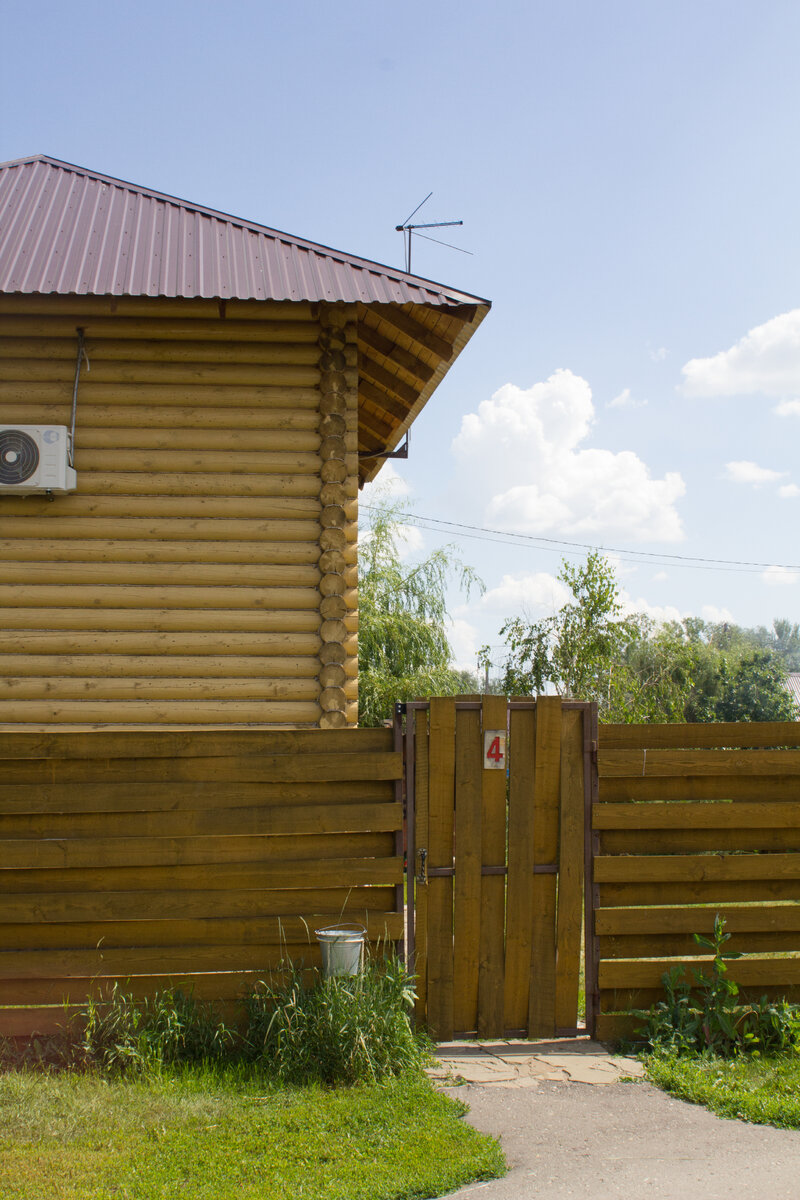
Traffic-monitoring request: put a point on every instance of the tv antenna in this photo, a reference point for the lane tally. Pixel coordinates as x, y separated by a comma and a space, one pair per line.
407, 230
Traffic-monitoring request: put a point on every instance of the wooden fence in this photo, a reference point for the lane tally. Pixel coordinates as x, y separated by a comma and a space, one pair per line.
199, 857
694, 820
499, 861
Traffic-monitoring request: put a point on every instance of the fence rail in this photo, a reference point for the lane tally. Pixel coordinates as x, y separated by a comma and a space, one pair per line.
691, 821
198, 857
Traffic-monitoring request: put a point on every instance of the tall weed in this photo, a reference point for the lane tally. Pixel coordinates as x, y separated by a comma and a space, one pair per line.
124, 1034
343, 1029
704, 1015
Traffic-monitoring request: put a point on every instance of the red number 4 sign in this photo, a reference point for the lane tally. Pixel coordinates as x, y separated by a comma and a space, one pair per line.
494, 749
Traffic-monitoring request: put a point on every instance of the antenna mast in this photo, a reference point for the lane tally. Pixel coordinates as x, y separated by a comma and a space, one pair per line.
407, 229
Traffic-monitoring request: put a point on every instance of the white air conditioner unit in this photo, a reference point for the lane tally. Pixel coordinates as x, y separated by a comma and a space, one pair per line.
35, 458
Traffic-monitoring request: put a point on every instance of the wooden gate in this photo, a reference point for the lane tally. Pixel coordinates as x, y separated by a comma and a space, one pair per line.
498, 798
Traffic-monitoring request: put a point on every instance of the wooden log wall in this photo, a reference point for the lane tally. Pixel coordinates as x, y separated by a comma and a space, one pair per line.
205, 570
695, 820
197, 858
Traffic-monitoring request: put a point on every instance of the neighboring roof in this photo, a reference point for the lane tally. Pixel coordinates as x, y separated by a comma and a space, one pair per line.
793, 684
68, 230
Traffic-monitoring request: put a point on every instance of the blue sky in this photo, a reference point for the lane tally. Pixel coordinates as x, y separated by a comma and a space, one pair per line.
629, 180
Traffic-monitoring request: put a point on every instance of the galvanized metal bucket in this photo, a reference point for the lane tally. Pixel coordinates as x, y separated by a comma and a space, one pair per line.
342, 947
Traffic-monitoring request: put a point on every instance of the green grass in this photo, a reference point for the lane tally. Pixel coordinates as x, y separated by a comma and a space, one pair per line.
210, 1135
764, 1090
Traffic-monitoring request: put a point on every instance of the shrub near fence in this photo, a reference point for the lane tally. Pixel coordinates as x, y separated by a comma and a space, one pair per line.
198, 858
695, 820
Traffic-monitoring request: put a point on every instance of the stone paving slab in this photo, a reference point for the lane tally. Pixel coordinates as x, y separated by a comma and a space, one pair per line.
518, 1064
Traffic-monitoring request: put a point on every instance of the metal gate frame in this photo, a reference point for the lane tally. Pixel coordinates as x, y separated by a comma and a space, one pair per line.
404, 740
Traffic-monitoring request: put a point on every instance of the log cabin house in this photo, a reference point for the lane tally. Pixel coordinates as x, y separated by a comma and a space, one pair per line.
231, 388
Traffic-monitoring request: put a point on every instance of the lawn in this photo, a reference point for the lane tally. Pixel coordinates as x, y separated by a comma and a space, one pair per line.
211, 1135
764, 1090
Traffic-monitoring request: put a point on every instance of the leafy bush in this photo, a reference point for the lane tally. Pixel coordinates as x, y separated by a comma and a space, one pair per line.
345, 1029
704, 1016
124, 1034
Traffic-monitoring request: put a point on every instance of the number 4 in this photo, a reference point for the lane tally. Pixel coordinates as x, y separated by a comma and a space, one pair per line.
495, 751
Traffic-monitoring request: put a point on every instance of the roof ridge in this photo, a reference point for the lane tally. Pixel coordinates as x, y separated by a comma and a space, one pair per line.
243, 223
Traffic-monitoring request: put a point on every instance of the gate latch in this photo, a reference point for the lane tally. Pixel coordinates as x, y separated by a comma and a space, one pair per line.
423, 870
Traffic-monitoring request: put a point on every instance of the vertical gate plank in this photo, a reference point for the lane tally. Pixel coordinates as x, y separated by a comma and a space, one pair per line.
519, 898
467, 914
570, 870
440, 854
493, 831
421, 840
547, 783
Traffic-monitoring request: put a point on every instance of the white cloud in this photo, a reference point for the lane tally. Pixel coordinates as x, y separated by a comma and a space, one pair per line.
463, 638
780, 576
525, 445
626, 400
789, 491
386, 485
750, 472
660, 576
787, 408
410, 541
658, 355
536, 595
658, 612
717, 616
766, 361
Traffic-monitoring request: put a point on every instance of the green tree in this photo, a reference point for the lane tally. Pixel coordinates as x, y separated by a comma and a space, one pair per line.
403, 650
591, 650
637, 670
783, 639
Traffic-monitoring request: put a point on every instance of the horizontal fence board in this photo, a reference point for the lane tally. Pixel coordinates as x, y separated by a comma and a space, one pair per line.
609, 1027
44, 798
289, 768
46, 1022
212, 985
149, 852
200, 931
751, 890
691, 815
696, 868
301, 873
199, 904
653, 945
749, 972
698, 736
698, 762
687, 841
620, 999
747, 789
739, 918
149, 960
205, 822
201, 743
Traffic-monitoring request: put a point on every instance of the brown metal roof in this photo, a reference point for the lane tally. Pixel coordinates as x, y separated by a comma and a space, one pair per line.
67, 230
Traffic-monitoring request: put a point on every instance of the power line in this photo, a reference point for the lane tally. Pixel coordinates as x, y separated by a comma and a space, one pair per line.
551, 545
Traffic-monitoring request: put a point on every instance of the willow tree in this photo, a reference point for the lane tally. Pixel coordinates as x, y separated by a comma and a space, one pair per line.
403, 648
